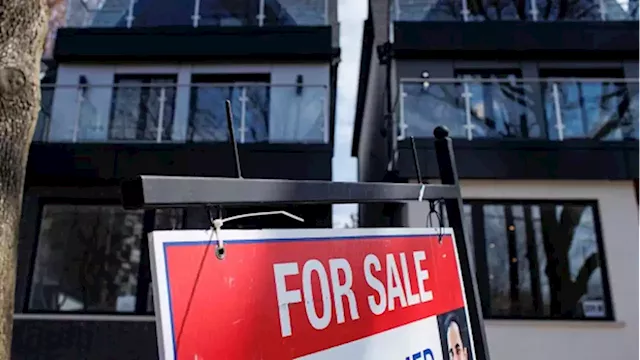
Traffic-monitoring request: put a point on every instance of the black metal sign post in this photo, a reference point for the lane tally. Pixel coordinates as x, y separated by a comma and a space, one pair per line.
153, 192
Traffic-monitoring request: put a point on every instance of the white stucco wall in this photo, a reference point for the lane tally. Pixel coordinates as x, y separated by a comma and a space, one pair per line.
543, 339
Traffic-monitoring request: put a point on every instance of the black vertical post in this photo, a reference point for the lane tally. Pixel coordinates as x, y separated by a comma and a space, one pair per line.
144, 268
232, 139
449, 176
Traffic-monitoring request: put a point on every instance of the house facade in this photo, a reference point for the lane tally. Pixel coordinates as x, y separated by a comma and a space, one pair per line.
138, 87
541, 100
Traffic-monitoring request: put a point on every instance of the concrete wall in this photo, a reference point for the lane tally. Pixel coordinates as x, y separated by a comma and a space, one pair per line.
544, 339
286, 107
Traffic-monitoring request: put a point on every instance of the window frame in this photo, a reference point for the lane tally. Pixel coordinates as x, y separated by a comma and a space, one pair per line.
482, 264
148, 224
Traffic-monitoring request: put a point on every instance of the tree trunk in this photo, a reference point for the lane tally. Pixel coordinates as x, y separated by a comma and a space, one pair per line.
22, 35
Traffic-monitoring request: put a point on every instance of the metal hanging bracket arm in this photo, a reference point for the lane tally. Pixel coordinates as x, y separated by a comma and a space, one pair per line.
152, 192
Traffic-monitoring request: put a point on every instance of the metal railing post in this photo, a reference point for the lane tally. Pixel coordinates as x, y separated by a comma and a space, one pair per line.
468, 126
195, 18
130, 16
326, 12
465, 11
243, 114
556, 103
534, 10
260, 17
402, 124
603, 10
76, 125
160, 125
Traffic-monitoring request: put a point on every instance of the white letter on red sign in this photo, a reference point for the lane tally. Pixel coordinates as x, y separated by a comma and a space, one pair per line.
423, 275
284, 296
340, 290
375, 284
412, 298
394, 286
318, 323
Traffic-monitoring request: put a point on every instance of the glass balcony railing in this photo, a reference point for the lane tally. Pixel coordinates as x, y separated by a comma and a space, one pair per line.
512, 10
167, 113
549, 109
136, 13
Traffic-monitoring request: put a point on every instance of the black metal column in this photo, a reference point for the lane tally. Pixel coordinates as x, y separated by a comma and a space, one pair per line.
449, 176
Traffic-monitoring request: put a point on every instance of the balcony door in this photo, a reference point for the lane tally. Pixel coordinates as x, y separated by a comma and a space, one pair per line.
250, 101
142, 108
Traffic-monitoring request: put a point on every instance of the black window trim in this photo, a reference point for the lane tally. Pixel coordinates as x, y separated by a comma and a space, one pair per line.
481, 263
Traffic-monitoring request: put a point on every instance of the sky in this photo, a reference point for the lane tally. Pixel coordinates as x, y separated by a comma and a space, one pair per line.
351, 15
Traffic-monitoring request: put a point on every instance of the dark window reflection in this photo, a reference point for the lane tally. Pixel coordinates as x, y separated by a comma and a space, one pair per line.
214, 13
500, 106
142, 108
592, 110
444, 11
514, 10
229, 12
207, 118
554, 10
169, 219
165, 219
211, 13
481, 10
295, 12
480, 106
430, 104
87, 259
542, 260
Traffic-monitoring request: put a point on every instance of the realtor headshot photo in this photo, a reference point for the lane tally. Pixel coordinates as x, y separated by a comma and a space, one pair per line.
454, 335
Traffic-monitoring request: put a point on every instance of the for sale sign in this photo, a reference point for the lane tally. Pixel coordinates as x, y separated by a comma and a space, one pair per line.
377, 294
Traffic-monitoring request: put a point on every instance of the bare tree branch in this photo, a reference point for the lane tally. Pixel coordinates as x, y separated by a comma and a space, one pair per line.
591, 264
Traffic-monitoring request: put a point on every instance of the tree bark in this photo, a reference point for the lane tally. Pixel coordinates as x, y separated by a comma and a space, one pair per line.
22, 35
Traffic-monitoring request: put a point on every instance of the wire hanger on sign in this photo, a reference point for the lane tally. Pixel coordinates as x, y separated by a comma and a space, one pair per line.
433, 204
216, 225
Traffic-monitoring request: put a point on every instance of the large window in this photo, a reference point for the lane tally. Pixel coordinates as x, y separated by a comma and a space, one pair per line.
249, 96
480, 104
94, 258
500, 105
89, 258
560, 105
591, 109
142, 108
512, 10
539, 259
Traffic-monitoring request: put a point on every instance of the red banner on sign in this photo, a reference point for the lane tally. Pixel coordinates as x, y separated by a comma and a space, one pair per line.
284, 299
